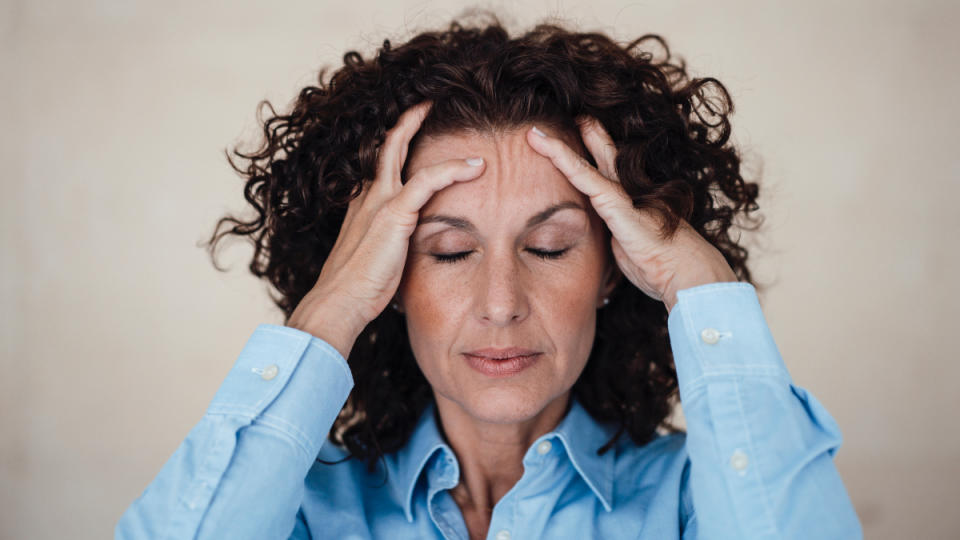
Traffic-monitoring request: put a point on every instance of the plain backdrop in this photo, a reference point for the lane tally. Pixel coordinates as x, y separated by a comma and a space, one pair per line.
116, 330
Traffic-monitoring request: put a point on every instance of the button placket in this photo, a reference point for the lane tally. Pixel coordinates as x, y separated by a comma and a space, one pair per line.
442, 476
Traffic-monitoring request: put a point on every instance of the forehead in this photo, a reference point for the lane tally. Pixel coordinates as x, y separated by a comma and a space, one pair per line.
515, 175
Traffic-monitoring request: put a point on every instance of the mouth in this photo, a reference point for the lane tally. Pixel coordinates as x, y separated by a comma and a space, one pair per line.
499, 363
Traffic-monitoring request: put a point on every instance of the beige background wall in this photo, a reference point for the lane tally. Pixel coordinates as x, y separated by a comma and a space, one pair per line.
116, 330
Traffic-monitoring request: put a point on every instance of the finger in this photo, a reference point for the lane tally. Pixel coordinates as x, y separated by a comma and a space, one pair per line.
429, 180
423, 109
600, 145
574, 166
393, 153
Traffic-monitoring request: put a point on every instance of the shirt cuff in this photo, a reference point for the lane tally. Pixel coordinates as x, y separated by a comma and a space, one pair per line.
289, 379
719, 329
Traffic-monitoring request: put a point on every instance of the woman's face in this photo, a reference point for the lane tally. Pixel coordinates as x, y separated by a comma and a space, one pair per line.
513, 259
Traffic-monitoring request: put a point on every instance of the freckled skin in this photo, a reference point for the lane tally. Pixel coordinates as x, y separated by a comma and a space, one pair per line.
501, 294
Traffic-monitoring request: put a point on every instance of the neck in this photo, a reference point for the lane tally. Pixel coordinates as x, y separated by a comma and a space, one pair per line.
491, 454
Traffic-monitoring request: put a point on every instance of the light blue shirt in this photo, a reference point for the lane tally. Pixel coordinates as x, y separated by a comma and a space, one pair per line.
755, 462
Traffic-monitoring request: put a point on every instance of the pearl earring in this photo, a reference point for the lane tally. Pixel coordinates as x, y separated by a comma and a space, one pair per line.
606, 301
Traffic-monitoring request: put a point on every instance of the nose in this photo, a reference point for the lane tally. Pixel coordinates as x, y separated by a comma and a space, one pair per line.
501, 298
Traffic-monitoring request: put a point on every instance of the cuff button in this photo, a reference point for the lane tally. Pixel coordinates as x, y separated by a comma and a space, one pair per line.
710, 336
269, 372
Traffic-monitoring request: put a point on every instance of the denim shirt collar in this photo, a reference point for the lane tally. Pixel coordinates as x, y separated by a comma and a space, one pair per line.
580, 436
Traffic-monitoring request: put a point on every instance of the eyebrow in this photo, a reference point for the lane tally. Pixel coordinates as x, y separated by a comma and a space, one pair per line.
536, 219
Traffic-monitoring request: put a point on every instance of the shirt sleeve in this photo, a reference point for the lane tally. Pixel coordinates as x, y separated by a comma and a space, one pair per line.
760, 448
240, 472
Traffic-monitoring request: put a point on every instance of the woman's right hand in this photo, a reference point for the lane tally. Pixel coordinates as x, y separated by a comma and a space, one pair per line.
363, 270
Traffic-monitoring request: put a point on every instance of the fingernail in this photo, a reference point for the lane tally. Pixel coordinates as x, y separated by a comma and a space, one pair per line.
538, 132
475, 161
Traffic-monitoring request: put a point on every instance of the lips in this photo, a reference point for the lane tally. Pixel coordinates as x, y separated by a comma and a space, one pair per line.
501, 362
500, 354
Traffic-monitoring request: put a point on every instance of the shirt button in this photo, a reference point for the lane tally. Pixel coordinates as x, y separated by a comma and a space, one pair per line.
269, 372
739, 461
503, 535
710, 336
544, 447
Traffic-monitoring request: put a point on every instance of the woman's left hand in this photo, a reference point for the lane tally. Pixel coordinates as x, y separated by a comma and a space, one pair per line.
658, 267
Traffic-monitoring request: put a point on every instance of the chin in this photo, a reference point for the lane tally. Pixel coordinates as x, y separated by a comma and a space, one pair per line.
504, 404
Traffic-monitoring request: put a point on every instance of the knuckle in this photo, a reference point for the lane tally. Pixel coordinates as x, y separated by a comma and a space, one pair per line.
393, 212
614, 199
388, 211
591, 127
394, 129
606, 201
391, 138
415, 179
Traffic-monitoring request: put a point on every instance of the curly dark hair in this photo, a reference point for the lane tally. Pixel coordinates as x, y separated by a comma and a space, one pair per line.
674, 156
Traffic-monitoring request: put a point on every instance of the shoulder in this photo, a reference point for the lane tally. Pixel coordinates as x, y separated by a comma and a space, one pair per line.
341, 483
334, 466
334, 471
658, 466
343, 497
661, 450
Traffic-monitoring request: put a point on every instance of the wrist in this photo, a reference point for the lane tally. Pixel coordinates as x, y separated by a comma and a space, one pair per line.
719, 272
337, 326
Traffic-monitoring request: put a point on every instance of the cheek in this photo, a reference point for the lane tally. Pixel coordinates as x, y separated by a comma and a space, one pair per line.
568, 307
432, 297
573, 286
570, 301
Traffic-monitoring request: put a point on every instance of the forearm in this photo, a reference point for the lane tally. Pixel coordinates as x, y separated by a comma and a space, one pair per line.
240, 471
760, 448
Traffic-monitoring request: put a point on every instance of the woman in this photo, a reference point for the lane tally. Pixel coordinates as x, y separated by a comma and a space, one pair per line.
488, 230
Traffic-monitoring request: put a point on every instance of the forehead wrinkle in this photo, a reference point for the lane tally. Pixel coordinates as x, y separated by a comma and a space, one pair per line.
515, 173
524, 172
459, 222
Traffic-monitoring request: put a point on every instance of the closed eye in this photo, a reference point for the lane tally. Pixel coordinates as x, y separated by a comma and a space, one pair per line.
544, 254
451, 257
461, 255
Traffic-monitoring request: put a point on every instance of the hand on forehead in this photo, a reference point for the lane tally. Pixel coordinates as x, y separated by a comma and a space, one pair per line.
516, 178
